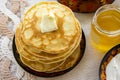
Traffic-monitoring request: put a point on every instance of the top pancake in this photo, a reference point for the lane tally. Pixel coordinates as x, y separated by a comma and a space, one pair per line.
52, 41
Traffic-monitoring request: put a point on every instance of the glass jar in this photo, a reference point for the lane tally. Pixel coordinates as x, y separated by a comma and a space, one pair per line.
105, 27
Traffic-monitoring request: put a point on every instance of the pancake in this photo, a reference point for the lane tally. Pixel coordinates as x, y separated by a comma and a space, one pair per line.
51, 42
40, 67
48, 38
69, 62
44, 58
47, 57
54, 67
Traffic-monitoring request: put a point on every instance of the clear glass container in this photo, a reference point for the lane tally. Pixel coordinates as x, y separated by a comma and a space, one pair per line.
105, 27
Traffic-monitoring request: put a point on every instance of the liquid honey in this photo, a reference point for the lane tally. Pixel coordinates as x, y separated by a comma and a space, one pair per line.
105, 30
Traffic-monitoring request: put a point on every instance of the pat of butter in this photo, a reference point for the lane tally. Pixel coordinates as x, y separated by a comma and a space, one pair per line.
113, 69
48, 23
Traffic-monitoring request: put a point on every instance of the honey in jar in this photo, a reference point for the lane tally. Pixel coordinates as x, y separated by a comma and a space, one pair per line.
105, 28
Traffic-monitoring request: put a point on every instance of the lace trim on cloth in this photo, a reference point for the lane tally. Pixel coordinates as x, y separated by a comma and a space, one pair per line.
10, 15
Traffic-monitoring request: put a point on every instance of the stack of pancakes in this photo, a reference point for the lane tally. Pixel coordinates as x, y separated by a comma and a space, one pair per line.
48, 39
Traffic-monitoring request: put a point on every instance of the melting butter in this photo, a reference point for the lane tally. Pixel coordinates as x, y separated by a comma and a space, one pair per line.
113, 69
48, 23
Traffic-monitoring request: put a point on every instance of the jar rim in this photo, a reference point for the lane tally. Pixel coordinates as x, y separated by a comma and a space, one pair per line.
105, 8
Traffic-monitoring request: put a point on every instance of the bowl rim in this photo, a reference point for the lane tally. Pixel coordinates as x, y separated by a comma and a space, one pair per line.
105, 58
